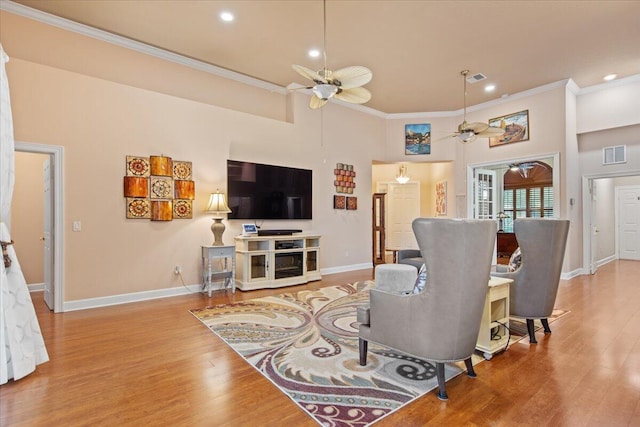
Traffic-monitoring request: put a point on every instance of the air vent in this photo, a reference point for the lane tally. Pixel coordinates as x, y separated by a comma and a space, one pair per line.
613, 155
476, 78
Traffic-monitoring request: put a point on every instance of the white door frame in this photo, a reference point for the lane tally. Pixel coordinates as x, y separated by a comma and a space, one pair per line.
556, 177
587, 182
57, 154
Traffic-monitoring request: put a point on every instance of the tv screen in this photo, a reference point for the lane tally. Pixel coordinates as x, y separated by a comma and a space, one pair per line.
258, 191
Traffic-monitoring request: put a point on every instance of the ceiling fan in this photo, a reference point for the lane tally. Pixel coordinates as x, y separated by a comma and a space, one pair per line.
468, 132
345, 84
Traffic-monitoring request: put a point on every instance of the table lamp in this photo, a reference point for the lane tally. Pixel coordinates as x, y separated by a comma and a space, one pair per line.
217, 206
501, 218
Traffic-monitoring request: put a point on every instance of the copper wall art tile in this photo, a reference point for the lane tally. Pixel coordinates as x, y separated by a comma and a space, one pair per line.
161, 210
138, 208
136, 187
182, 170
161, 187
182, 209
161, 166
138, 166
184, 189
338, 202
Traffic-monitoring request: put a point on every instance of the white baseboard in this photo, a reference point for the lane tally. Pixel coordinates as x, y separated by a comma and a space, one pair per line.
571, 274
85, 304
345, 268
35, 287
606, 260
127, 298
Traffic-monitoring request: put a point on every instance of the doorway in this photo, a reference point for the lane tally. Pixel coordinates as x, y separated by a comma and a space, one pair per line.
54, 260
605, 234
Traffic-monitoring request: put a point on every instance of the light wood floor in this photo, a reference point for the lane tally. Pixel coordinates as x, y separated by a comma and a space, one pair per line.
153, 363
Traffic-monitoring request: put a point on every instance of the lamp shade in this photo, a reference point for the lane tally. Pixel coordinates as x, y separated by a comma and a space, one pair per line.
217, 204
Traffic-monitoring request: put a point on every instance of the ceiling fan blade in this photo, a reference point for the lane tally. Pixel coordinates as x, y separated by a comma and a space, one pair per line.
356, 95
491, 132
351, 77
315, 102
310, 74
476, 127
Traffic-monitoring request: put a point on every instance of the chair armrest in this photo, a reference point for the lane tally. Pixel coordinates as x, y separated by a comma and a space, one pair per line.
500, 269
408, 253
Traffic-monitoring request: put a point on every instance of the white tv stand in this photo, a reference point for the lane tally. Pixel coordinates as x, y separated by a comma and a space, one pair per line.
277, 261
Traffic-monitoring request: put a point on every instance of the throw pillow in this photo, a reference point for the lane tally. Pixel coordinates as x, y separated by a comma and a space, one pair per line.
421, 280
515, 260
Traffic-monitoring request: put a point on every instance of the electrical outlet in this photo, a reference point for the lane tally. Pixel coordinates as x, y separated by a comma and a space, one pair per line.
178, 269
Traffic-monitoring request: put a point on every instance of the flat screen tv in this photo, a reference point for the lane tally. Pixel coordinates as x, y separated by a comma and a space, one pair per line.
257, 191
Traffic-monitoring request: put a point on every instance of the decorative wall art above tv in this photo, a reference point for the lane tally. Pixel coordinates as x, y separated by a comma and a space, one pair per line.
159, 188
345, 178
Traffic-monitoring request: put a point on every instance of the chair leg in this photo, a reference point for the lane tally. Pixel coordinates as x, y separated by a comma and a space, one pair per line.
469, 365
362, 346
532, 331
545, 325
442, 391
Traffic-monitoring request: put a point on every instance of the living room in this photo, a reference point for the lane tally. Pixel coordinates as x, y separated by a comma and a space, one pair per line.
59, 107
102, 102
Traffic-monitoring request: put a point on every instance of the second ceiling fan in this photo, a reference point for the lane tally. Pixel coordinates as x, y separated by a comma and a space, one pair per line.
468, 132
345, 84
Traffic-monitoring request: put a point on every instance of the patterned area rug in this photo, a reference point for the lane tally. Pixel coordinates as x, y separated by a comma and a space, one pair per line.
306, 343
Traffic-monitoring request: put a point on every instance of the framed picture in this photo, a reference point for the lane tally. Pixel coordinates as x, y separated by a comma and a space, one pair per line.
339, 202
441, 198
417, 139
516, 128
352, 203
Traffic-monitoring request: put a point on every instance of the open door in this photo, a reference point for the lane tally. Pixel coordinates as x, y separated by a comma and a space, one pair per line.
484, 194
48, 235
378, 230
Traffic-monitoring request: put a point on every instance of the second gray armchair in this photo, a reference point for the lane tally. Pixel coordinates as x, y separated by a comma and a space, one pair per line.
535, 283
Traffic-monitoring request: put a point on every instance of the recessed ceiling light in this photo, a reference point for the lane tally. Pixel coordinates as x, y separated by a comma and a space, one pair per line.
227, 16
314, 53
489, 88
609, 77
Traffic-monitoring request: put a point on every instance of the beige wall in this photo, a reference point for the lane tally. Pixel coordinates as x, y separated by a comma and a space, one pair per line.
99, 122
27, 208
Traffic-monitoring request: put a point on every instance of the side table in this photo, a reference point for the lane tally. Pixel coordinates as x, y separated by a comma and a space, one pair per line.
211, 274
494, 317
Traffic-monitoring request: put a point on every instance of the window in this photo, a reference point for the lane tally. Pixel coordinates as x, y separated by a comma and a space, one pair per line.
528, 192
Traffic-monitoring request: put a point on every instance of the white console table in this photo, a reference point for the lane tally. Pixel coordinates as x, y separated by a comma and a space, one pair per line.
226, 272
277, 261
494, 316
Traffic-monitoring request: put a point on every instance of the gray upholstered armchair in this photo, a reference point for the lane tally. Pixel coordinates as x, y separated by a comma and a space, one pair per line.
410, 257
535, 283
442, 322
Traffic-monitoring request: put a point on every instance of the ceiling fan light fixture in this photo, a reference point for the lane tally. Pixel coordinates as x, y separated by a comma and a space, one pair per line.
467, 136
325, 91
402, 176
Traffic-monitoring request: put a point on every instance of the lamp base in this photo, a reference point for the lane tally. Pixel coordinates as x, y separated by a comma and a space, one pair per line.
217, 228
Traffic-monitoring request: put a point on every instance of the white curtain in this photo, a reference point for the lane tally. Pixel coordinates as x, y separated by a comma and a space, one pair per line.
21, 343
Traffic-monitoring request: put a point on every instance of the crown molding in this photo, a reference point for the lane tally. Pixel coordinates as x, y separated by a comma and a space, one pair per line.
146, 49
608, 85
66, 24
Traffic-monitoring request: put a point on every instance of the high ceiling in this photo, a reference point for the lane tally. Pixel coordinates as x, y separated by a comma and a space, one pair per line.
416, 49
